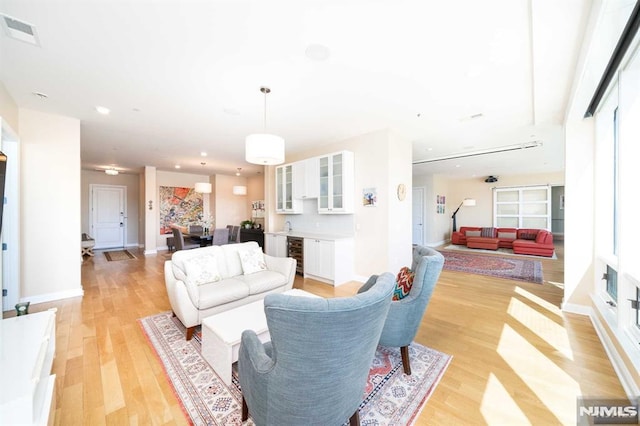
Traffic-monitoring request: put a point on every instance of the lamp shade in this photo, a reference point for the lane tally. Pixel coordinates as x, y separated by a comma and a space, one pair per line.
203, 187
265, 149
239, 190
469, 202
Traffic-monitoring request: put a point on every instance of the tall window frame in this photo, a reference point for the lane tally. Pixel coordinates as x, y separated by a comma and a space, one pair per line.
522, 207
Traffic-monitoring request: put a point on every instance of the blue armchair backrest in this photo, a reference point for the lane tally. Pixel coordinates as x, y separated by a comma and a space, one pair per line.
322, 351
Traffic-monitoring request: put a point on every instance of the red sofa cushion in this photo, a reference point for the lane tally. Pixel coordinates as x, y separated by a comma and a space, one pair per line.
544, 237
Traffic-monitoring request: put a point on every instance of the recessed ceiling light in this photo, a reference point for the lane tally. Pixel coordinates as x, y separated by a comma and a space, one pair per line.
177, 166
457, 165
103, 110
231, 111
203, 154
429, 149
317, 52
472, 117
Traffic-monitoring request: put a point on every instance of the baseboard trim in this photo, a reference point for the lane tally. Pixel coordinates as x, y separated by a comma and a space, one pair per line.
573, 308
617, 362
50, 297
149, 252
619, 366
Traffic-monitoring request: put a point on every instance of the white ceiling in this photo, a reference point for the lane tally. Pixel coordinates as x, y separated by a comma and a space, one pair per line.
181, 77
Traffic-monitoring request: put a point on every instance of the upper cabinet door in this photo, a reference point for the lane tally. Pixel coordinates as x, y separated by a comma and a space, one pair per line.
285, 202
336, 172
323, 172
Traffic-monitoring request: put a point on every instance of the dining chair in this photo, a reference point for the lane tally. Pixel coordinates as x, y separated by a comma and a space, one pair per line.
233, 236
178, 240
220, 236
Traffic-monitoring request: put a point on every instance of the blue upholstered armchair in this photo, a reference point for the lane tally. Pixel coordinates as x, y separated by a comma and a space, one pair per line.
315, 368
406, 314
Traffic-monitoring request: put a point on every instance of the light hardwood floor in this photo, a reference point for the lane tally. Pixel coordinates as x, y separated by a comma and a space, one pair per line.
517, 359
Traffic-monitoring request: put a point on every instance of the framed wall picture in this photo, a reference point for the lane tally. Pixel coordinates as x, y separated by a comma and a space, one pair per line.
369, 197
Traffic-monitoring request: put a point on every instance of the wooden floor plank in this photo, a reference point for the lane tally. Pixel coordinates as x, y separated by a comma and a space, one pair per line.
517, 358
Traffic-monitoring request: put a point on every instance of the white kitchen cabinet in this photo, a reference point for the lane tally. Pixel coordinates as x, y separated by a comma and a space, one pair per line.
276, 245
26, 383
329, 261
336, 173
285, 202
306, 179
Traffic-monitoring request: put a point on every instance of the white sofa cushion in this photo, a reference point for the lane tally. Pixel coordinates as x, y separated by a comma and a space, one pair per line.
252, 260
178, 259
263, 281
233, 264
202, 269
225, 291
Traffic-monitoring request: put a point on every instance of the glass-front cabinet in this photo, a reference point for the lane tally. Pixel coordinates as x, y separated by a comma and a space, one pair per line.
285, 203
336, 183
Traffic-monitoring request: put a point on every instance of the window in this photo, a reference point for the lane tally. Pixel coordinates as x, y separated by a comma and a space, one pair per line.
636, 305
522, 207
614, 189
612, 283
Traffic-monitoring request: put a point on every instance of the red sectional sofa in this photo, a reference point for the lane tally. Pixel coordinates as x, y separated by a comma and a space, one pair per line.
537, 242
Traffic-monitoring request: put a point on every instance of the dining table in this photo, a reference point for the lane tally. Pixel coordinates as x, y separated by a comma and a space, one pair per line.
202, 237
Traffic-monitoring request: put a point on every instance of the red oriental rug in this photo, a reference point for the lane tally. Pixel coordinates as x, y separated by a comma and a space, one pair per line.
390, 396
494, 266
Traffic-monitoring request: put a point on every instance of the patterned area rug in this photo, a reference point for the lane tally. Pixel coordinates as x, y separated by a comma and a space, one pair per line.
118, 255
505, 251
390, 397
509, 268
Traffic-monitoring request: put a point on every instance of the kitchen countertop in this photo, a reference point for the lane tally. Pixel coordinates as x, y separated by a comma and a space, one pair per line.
306, 234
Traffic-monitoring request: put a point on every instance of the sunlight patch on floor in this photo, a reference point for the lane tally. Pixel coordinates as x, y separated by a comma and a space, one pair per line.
547, 329
547, 382
539, 301
498, 407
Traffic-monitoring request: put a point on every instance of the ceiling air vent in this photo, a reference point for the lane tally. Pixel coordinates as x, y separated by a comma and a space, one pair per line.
491, 179
19, 30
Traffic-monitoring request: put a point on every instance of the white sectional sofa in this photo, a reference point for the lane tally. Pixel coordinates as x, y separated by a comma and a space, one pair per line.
207, 280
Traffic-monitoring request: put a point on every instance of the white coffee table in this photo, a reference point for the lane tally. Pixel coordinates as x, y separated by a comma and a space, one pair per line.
221, 333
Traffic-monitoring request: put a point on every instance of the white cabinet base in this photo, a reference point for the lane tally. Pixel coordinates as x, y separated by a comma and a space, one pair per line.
329, 261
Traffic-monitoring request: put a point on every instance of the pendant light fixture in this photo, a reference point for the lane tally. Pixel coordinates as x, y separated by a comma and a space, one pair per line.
203, 187
264, 148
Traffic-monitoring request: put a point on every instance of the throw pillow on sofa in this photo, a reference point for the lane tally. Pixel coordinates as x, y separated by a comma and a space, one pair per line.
404, 281
507, 235
252, 260
472, 234
202, 269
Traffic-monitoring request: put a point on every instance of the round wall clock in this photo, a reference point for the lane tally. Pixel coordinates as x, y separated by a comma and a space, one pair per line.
402, 192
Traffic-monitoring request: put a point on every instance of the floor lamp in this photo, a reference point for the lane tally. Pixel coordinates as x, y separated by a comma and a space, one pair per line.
469, 202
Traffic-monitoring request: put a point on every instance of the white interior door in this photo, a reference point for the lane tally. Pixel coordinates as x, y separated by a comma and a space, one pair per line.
418, 216
107, 214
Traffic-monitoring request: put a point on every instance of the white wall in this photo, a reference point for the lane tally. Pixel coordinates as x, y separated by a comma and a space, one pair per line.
185, 180
131, 182
382, 234
8, 108
51, 231
436, 225
476, 188
230, 209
